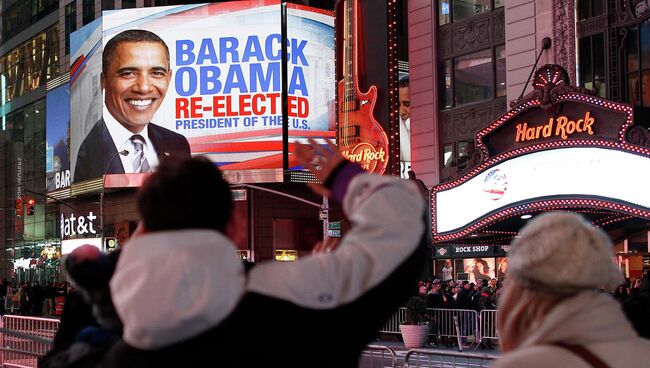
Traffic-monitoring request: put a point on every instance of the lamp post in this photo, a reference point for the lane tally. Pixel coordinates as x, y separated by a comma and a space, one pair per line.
101, 194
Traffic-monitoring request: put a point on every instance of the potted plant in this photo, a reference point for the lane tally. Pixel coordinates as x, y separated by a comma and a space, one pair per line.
415, 330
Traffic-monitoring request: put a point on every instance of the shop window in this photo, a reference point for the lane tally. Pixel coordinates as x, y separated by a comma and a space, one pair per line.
500, 71
108, 4
285, 239
126, 4
473, 77
469, 8
443, 12
590, 8
592, 63
88, 13
446, 96
70, 23
499, 4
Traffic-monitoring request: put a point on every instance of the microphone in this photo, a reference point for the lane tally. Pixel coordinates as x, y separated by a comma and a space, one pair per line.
122, 152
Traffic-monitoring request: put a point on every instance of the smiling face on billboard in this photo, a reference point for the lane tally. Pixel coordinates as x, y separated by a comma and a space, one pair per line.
135, 83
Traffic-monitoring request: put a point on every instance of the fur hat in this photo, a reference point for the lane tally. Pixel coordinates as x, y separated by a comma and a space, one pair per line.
562, 253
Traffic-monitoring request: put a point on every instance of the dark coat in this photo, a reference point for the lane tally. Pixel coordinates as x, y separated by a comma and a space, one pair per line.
99, 144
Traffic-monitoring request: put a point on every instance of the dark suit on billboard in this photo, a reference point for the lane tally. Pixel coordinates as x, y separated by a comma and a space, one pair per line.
99, 144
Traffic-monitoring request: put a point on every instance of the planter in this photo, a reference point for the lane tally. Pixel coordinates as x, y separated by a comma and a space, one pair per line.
415, 336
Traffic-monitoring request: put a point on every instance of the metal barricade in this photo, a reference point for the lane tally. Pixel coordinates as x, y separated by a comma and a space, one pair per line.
24, 339
488, 324
392, 325
442, 322
378, 356
445, 359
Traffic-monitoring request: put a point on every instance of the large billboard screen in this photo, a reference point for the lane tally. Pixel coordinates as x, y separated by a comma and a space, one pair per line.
57, 153
576, 172
200, 80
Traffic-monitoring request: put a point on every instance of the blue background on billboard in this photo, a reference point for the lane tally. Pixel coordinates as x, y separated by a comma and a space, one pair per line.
57, 117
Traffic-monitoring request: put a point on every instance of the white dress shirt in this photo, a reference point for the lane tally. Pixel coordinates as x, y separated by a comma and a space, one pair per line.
405, 146
122, 140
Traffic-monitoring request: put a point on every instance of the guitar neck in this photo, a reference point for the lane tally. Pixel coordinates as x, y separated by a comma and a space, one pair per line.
349, 51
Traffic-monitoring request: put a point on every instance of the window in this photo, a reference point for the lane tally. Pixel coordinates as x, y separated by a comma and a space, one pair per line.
590, 8
108, 4
447, 155
469, 8
88, 11
70, 23
500, 71
28, 66
22, 14
592, 63
473, 77
465, 152
632, 65
126, 4
446, 96
637, 63
443, 12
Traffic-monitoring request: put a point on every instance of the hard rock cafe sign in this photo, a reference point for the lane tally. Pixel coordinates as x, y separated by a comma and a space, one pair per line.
366, 155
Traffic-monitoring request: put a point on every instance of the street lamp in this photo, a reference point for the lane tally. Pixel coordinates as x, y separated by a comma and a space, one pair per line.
101, 195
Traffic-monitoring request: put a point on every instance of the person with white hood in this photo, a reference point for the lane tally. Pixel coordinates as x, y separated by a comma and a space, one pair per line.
554, 315
185, 300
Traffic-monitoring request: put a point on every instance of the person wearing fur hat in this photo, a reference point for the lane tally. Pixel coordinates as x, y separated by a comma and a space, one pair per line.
554, 315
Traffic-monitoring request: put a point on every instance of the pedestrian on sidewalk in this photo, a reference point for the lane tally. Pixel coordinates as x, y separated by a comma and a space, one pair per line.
551, 315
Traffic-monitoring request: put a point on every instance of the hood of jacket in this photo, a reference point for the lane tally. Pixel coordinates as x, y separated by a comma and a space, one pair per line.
173, 285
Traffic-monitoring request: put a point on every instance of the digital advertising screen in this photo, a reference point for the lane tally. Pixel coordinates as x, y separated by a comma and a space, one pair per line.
57, 151
149, 84
576, 172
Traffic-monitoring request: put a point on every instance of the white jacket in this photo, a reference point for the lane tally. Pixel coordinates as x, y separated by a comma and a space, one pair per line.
171, 286
591, 319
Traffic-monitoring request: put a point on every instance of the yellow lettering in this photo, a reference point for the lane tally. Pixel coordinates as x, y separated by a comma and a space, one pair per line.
571, 127
548, 128
589, 121
561, 126
521, 132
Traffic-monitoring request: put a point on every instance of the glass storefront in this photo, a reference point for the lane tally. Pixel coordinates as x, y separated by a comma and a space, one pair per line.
29, 242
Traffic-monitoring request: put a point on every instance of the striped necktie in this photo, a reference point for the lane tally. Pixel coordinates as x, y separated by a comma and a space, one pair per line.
140, 163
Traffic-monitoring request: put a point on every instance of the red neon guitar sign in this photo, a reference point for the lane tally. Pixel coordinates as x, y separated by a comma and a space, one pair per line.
361, 138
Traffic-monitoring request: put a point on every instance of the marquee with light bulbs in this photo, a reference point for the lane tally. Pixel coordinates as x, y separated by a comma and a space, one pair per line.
560, 148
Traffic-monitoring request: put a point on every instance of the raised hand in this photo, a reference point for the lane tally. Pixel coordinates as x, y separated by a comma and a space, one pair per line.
321, 162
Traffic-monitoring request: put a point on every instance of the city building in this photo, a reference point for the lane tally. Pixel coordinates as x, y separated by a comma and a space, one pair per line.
471, 63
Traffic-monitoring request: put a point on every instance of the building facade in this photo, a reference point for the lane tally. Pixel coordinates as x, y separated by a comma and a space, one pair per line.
470, 62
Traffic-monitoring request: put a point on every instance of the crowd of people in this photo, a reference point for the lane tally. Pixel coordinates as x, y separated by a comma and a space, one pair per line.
31, 299
459, 295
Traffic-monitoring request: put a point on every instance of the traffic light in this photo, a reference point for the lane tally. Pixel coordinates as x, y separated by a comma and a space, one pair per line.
19, 207
30, 206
